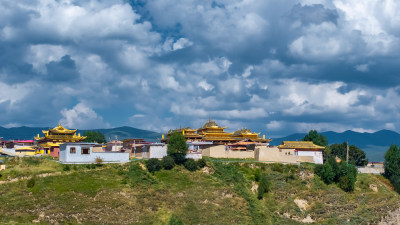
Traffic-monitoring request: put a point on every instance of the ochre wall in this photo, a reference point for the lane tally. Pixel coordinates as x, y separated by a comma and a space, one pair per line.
274, 154
220, 152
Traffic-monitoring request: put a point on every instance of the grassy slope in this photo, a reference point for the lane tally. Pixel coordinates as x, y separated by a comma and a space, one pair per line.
128, 194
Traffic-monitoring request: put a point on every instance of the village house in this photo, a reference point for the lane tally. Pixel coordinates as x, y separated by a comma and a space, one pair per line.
290, 152
82, 153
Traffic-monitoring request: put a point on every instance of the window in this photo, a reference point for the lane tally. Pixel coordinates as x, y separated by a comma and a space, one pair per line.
72, 150
85, 151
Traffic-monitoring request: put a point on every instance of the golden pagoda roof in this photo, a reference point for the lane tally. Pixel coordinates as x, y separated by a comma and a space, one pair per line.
211, 124
180, 130
61, 130
244, 131
299, 145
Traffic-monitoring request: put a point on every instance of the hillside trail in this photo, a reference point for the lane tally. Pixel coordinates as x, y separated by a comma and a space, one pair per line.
392, 218
28, 177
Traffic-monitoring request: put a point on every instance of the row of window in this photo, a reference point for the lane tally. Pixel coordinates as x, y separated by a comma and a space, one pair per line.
84, 151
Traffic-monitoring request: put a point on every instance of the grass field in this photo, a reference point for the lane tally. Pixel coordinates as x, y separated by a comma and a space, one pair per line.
219, 194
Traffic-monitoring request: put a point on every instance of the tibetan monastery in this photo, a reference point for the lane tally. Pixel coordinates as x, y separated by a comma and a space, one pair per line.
246, 134
211, 132
52, 139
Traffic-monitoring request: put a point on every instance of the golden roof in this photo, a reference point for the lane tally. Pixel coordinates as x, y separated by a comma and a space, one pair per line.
212, 124
244, 132
300, 145
61, 130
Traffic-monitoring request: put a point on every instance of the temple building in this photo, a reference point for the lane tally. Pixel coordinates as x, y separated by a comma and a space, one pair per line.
211, 132
246, 134
52, 139
189, 133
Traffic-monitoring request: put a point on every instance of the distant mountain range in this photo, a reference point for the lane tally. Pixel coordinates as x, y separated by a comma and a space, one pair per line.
374, 144
20, 133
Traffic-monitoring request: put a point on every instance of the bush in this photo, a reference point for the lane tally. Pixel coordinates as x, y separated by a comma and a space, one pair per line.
167, 162
174, 220
191, 165
264, 186
327, 173
277, 167
345, 175
395, 180
201, 163
99, 161
257, 175
66, 168
31, 182
153, 165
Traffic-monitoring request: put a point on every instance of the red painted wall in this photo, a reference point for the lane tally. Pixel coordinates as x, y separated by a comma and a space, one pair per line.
54, 152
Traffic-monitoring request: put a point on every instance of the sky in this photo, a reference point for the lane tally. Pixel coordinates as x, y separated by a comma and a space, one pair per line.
273, 66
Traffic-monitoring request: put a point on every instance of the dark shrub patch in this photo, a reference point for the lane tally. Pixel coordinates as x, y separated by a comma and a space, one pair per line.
153, 165
167, 162
191, 165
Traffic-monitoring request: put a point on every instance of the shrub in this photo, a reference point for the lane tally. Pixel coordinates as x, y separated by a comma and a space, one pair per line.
174, 220
345, 175
31, 161
327, 173
201, 163
191, 165
395, 180
31, 182
264, 186
153, 165
277, 167
99, 161
257, 175
168, 162
66, 168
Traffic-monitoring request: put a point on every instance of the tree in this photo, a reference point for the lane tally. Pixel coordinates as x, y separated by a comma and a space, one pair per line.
177, 147
392, 166
356, 155
345, 175
316, 138
94, 136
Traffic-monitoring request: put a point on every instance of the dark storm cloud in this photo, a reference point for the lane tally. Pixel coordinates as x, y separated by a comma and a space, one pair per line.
62, 71
315, 13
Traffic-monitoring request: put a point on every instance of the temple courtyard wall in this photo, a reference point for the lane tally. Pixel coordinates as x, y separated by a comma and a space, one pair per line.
221, 151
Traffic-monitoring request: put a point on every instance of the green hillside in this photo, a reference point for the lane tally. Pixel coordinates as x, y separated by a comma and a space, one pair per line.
221, 193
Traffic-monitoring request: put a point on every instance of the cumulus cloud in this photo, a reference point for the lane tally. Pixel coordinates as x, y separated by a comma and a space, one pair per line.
278, 66
82, 116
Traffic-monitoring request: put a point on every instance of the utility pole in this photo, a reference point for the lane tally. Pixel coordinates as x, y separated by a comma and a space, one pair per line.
347, 155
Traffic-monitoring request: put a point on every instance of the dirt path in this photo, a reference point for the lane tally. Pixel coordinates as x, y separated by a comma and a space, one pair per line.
393, 217
26, 178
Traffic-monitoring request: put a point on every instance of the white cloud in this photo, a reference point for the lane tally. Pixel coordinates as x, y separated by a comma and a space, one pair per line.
362, 67
181, 43
82, 116
206, 86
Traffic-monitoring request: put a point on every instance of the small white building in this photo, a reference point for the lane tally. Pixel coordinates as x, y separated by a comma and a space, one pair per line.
82, 153
304, 149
